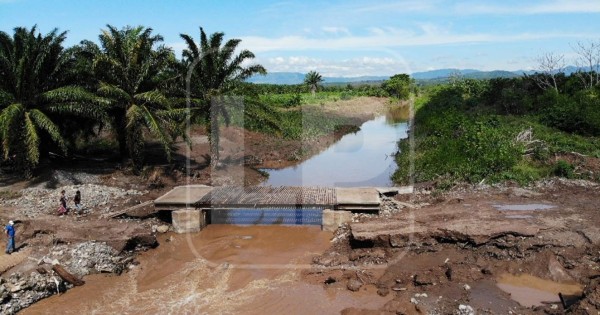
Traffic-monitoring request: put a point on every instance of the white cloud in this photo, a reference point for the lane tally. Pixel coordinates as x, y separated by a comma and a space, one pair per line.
401, 6
483, 7
380, 38
336, 30
530, 7
333, 68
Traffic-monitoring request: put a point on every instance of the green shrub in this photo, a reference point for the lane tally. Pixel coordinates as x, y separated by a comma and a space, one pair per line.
563, 168
345, 96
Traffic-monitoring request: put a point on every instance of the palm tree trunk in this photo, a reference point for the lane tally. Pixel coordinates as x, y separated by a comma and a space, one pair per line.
122, 138
214, 138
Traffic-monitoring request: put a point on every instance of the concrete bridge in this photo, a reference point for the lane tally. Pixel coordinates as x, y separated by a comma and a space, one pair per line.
195, 206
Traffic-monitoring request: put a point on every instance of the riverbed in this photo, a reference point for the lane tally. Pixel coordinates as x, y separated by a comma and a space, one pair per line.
222, 270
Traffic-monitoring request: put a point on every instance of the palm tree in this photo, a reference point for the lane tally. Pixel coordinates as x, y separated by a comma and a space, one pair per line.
35, 95
132, 73
312, 79
216, 71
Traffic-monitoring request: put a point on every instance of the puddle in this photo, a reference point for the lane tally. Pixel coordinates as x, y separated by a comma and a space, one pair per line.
360, 159
530, 291
519, 216
485, 295
524, 207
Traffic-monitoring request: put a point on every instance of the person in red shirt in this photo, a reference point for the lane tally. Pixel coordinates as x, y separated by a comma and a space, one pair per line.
62, 209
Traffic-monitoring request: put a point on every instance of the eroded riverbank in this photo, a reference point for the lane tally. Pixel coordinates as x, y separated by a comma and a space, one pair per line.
427, 252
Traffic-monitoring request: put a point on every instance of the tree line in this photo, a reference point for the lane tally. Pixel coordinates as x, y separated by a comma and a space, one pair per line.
130, 82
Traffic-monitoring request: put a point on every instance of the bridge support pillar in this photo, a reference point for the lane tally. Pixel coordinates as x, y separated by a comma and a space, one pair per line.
332, 219
188, 220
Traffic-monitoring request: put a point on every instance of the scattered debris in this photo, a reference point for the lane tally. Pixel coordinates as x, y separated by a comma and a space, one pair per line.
465, 310
36, 200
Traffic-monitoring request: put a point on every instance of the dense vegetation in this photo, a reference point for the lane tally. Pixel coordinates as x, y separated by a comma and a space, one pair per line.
503, 129
128, 90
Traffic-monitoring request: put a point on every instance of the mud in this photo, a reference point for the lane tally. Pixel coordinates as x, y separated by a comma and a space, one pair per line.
223, 269
458, 249
531, 291
437, 253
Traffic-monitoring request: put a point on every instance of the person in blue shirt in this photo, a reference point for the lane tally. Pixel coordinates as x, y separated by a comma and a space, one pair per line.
10, 233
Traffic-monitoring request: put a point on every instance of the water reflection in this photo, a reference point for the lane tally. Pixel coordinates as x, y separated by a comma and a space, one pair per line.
364, 158
397, 114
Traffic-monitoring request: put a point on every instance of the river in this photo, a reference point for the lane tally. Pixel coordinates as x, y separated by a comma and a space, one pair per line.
364, 158
224, 269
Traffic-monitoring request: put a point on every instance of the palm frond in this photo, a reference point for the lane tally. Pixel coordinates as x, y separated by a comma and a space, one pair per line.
6, 98
157, 130
152, 97
43, 122
192, 48
31, 140
72, 94
9, 118
114, 92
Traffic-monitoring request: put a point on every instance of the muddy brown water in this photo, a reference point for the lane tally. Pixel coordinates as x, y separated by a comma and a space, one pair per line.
530, 291
224, 269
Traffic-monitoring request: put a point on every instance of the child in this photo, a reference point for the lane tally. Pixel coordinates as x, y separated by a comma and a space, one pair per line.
62, 209
77, 202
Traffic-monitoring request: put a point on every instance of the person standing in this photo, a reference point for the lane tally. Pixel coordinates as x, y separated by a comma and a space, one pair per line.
10, 233
62, 209
77, 202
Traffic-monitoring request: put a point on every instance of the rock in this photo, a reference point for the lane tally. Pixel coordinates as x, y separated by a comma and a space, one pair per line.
557, 272
525, 193
354, 284
383, 291
422, 280
414, 301
467, 287
373, 253
39, 199
330, 280
17, 287
448, 273
22, 291
45, 260
465, 310
162, 229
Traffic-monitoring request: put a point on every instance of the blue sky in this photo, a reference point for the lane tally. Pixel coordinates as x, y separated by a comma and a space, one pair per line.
342, 38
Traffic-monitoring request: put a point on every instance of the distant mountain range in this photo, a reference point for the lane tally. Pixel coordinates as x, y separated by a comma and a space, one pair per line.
435, 75
298, 78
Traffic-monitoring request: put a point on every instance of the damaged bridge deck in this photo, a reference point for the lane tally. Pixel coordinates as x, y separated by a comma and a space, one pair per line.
206, 197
